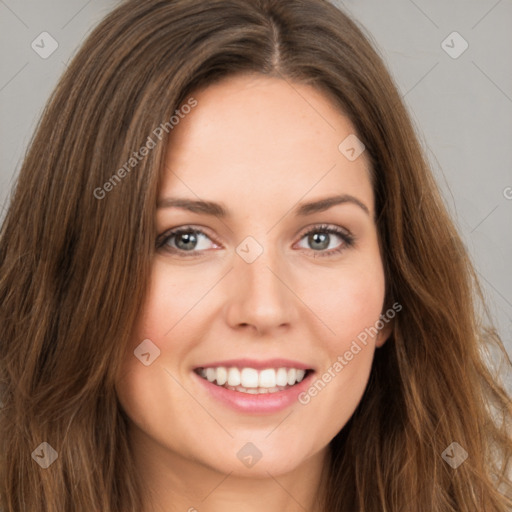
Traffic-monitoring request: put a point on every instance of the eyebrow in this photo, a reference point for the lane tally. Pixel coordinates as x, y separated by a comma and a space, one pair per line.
217, 210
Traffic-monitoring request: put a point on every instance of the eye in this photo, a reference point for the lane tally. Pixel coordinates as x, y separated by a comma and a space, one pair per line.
183, 240
188, 241
320, 238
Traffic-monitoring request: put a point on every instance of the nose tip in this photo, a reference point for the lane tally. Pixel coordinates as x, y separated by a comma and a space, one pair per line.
258, 294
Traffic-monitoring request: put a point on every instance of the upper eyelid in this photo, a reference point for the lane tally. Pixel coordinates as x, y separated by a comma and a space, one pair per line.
322, 226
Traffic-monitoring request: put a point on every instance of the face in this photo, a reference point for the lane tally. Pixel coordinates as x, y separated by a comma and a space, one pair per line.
269, 293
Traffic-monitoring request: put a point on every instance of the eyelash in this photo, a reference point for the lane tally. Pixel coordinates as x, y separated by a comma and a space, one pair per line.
348, 240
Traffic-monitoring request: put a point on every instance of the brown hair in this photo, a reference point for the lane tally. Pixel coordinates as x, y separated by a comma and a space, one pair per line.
74, 267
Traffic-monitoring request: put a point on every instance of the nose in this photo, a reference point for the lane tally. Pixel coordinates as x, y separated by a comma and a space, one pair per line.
260, 294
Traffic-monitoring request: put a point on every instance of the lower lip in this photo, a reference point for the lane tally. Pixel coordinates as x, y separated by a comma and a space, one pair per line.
259, 404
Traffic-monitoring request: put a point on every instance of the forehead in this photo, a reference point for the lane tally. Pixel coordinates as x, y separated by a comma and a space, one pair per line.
252, 136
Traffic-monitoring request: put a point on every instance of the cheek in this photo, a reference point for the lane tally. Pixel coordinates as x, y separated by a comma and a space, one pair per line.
172, 295
352, 312
350, 306
171, 318
349, 302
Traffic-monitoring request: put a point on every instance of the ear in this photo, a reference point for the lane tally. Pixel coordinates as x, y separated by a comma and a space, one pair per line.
384, 334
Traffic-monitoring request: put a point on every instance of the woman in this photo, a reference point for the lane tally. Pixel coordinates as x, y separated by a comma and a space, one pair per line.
174, 338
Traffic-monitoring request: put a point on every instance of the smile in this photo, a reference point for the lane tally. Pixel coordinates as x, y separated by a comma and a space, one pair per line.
251, 380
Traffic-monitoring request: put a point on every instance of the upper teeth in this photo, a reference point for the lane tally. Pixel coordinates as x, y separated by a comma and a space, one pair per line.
251, 378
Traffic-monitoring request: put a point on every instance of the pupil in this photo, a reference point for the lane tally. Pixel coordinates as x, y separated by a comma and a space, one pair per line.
190, 238
321, 238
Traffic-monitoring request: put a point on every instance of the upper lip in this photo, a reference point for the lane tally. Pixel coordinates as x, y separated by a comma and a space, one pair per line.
257, 364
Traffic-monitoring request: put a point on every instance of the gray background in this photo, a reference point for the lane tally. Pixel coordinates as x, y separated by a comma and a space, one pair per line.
462, 106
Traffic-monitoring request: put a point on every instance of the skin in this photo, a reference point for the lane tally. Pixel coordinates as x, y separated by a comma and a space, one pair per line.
260, 146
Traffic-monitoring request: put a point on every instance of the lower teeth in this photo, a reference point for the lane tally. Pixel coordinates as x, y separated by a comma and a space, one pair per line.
255, 391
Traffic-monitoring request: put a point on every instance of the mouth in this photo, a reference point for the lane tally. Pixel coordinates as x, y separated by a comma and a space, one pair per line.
245, 379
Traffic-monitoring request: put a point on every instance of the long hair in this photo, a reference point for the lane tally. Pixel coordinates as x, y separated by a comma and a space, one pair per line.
77, 242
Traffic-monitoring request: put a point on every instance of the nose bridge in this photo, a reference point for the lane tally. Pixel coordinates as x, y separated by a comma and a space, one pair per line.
260, 296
